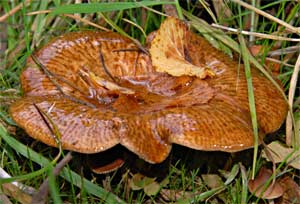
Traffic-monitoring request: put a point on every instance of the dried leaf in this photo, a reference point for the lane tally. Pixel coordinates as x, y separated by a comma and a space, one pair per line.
291, 191
140, 181
279, 153
212, 180
15, 192
152, 189
258, 186
169, 54
176, 195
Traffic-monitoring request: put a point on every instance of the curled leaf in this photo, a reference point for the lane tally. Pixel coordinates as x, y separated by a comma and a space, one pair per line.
259, 188
169, 53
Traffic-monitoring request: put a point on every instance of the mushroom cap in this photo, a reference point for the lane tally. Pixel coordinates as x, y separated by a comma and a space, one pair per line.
111, 93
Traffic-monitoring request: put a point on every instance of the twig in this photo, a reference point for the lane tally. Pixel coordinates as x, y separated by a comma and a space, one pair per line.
261, 35
42, 194
51, 77
53, 130
272, 18
104, 65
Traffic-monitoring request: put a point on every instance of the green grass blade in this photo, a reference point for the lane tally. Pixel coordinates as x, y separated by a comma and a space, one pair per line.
207, 194
53, 188
251, 99
66, 173
233, 173
179, 11
104, 7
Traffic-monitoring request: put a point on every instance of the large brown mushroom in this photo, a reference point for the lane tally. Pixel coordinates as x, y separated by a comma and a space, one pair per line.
100, 89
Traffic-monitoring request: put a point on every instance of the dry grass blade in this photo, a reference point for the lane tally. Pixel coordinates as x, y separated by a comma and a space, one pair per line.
154, 11
136, 25
14, 10
75, 17
25, 188
272, 18
260, 35
289, 120
208, 10
86, 21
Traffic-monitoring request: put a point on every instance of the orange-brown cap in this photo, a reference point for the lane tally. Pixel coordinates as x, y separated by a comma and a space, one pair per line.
101, 90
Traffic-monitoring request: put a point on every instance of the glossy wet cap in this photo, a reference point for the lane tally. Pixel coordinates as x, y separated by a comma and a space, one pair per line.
101, 90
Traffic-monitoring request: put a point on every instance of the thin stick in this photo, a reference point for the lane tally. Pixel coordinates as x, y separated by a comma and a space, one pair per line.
38, 12
52, 79
261, 35
272, 18
289, 123
104, 65
42, 194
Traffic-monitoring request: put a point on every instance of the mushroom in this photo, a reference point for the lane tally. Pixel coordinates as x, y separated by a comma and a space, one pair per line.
101, 89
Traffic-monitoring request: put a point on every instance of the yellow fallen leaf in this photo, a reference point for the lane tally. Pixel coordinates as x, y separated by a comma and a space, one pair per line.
168, 53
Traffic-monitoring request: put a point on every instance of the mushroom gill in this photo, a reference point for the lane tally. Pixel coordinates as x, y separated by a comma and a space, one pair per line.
101, 90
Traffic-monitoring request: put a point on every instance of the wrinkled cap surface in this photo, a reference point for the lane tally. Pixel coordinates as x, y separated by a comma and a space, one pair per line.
101, 90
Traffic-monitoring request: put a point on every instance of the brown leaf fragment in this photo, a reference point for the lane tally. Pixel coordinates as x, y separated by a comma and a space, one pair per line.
222, 10
174, 195
112, 166
152, 189
291, 191
4, 199
169, 54
170, 10
14, 192
258, 186
212, 180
